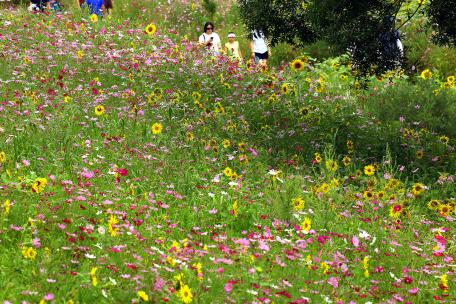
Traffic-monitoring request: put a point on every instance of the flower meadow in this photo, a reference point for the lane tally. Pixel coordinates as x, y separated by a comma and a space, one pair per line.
134, 168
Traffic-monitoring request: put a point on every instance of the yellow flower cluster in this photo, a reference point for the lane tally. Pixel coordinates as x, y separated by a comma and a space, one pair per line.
29, 253
39, 184
112, 225
297, 203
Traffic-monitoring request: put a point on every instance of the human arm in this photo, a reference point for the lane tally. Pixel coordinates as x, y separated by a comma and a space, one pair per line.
252, 52
203, 41
217, 41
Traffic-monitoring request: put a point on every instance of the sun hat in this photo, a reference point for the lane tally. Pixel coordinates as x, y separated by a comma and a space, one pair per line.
231, 35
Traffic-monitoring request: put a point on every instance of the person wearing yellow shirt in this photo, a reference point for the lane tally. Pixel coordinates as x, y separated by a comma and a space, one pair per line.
232, 48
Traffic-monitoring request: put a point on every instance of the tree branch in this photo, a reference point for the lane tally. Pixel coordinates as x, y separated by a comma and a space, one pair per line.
420, 4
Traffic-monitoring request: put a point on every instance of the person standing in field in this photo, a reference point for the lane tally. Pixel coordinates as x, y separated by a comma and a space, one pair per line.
210, 40
96, 7
232, 48
260, 52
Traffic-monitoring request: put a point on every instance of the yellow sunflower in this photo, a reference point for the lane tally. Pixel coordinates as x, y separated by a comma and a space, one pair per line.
228, 171
305, 112
317, 158
157, 128
226, 143
426, 74
417, 189
185, 294
434, 204
151, 29
297, 203
451, 79
444, 139
396, 210
2, 157
99, 110
94, 18
143, 296
306, 225
369, 170
272, 98
285, 88
190, 136
297, 65
445, 209
331, 165
419, 154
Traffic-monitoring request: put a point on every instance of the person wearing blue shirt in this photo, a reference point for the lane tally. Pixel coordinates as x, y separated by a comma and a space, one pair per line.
96, 7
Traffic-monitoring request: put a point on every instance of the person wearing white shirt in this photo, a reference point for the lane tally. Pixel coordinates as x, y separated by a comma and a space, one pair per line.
210, 39
259, 48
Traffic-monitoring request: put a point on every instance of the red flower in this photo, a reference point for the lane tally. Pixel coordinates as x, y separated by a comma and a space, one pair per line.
408, 280
122, 172
284, 293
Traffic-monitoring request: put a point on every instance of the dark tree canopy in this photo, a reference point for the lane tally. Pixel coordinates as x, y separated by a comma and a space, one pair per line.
442, 16
347, 25
356, 26
281, 21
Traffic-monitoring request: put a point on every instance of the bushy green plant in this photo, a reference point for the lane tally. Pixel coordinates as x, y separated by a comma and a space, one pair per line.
210, 6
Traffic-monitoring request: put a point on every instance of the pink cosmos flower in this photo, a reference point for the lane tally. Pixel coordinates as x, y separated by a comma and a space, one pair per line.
228, 287
334, 282
355, 241
36, 243
159, 283
87, 174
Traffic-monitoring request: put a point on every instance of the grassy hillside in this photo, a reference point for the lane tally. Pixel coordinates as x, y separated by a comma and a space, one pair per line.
136, 168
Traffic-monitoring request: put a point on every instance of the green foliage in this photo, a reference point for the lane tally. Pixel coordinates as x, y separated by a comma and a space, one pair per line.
422, 54
419, 102
175, 212
356, 26
210, 6
347, 25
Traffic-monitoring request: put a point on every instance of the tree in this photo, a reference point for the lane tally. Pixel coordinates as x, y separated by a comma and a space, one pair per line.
281, 21
442, 16
350, 26
357, 26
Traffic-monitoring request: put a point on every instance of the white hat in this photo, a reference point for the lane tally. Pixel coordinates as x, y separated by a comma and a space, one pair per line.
231, 35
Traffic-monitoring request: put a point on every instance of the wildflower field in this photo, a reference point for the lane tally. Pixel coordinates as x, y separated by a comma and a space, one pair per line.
133, 168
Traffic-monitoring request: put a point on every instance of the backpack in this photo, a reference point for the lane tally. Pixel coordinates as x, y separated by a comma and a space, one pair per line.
388, 43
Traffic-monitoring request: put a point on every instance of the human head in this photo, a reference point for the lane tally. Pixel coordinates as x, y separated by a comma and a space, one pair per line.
257, 33
388, 22
208, 26
107, 4
231, 37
